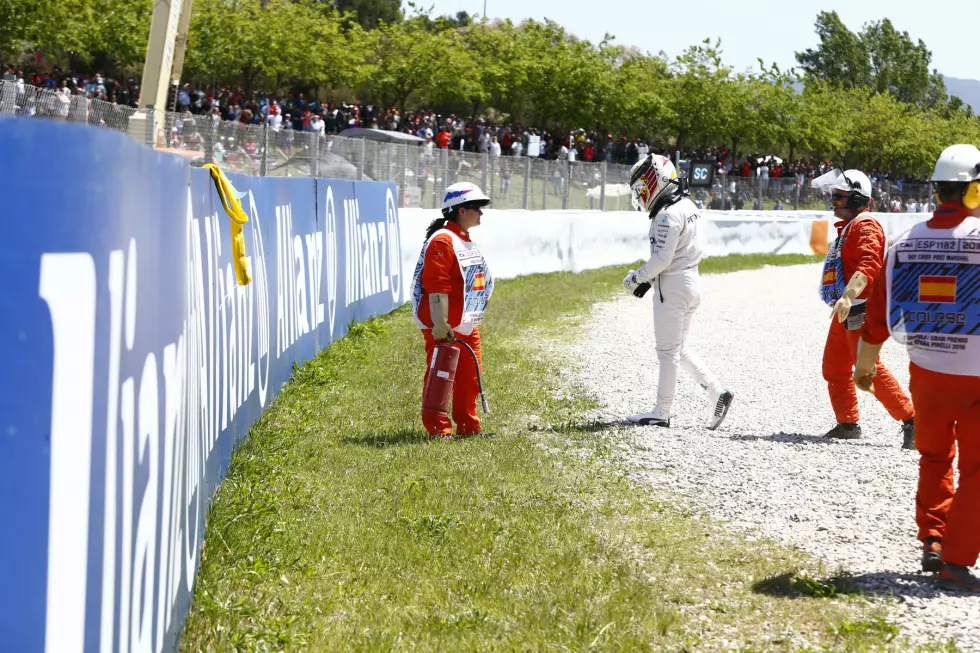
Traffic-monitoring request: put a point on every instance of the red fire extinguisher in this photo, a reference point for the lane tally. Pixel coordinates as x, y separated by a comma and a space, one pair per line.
442, 375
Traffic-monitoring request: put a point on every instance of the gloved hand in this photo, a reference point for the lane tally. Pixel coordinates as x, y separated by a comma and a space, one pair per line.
439, 310
842, 308
634, 285
866, 365
855, 287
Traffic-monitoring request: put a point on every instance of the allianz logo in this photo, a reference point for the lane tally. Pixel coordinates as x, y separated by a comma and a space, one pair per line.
364, 249
372, 252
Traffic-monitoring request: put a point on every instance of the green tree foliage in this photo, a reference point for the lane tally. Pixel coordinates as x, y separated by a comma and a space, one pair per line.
879, 57
868, 99
371, 13
410, 62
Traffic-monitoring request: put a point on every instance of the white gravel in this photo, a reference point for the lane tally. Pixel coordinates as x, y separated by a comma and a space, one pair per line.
768, 468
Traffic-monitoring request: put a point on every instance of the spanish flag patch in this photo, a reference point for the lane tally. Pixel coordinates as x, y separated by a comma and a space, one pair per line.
937, 290
479, 282
830, 277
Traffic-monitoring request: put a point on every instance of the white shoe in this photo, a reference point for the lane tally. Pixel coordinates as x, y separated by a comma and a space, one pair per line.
721, 402
656, 417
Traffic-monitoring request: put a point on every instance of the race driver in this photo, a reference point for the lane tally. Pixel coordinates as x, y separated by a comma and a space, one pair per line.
672, 271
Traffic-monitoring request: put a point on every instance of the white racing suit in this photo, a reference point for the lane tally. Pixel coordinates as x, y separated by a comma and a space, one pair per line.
673, 270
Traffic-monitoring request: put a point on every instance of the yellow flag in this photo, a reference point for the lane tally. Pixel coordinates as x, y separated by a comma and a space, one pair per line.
233, 207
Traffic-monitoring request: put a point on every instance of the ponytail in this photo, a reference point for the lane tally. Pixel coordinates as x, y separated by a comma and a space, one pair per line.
435, 226
439, 223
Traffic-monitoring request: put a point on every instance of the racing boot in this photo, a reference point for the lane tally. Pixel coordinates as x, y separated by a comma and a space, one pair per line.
656, 417
721, 401
959, 578
908, 434
932, 554
845, 432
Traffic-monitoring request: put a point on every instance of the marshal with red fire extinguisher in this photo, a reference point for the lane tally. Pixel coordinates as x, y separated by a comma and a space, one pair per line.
442, 375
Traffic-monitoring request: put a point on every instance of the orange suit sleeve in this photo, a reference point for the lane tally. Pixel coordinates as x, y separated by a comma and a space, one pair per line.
865, 253
874, 331
440, 262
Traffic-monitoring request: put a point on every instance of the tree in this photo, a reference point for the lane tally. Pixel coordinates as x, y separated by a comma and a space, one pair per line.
840, 58
63, 29
741, 101
697, 92
17, 20
371, 13
781, 111
566, 78
500, 64
638, 103
411, 62
216, 39
899, 66
879, 57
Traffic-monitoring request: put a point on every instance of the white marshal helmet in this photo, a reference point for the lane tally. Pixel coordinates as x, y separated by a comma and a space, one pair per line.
852, 181
958, 163
463, 192
650, 178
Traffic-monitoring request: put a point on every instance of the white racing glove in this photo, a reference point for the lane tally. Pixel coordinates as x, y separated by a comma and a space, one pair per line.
635, 286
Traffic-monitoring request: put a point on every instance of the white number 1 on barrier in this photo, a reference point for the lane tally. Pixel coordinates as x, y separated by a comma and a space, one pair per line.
68, 286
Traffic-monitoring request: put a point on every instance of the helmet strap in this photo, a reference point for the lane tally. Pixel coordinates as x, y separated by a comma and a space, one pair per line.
669, 198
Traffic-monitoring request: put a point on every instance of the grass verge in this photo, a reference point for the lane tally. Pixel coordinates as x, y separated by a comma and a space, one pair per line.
341, 526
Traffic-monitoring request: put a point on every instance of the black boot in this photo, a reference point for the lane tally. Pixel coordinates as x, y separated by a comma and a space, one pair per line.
932, 553
845, 432
958, 578
908, 434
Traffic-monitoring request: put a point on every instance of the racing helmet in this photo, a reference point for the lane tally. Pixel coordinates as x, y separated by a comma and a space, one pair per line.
651, 178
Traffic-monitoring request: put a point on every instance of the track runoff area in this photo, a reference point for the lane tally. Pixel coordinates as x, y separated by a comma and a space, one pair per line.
768, 469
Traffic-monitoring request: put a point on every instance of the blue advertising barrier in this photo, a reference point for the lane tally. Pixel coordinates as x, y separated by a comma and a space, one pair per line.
134, 364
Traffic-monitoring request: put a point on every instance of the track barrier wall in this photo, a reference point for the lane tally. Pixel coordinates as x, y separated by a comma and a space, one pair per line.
135, 364
528, 242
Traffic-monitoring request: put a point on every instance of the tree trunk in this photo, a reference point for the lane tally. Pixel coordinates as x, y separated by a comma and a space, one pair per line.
275, 93
792, 151
248, 76
402, 101
476, 108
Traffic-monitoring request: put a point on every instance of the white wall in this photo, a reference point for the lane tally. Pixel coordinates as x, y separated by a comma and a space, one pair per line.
527, 242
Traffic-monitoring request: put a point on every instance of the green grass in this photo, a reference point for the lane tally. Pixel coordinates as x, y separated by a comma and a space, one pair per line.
341, 526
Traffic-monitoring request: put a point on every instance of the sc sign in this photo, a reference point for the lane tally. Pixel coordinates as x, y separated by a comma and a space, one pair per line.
701, 173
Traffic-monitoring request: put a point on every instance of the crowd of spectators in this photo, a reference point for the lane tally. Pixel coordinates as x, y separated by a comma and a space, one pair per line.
749, 177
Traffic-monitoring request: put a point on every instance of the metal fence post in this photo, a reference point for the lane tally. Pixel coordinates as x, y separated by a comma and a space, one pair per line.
443, 167
544, 186
362, 160
445, 178
602, 186
568, 183
484, 162
493, 178
264, 162
315, 150
527, 181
